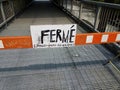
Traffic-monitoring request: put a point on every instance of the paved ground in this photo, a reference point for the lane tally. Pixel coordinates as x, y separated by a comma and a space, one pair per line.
73, 68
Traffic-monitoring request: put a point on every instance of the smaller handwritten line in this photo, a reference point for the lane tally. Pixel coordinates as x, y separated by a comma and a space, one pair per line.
72, 26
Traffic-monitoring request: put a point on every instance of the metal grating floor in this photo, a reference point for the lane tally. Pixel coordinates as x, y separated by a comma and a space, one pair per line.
74, 68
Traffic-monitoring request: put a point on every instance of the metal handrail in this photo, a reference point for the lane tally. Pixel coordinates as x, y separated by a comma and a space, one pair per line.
100, 4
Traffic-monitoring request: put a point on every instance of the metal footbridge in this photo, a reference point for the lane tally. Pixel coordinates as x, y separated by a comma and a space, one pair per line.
92, 64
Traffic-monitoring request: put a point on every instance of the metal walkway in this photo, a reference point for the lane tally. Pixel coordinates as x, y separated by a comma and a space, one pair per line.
72, 68
43, 13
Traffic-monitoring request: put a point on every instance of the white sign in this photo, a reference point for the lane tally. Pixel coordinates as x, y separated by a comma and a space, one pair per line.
1, 44
44, 36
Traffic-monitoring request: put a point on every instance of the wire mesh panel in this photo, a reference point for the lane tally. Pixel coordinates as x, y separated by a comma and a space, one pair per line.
17, 5
7, 9
75, 8
109, 20
88, 13
69, 5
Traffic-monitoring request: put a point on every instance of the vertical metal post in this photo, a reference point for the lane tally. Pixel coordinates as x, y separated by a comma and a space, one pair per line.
2, 11
80, 10
97, 18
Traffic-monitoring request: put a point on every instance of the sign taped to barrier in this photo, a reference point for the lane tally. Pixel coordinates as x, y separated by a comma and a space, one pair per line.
44, 36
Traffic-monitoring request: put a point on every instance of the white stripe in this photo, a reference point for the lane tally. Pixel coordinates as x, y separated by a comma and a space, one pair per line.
118, 37
104, 38
89, 39
1, 44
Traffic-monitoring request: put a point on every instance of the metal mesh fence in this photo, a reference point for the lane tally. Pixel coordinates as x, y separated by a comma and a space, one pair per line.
9, 8
88, 14
109, 20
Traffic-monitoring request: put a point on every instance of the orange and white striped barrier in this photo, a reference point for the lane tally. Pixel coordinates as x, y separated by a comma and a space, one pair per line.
81, 39
97, 38
15, 42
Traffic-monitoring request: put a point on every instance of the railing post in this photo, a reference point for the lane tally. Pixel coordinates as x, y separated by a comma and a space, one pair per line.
97, 18
80, 10
2, 11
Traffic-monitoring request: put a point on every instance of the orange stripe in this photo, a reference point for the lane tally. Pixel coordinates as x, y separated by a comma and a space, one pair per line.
97, 38
17, 42
80, 39
112, 37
